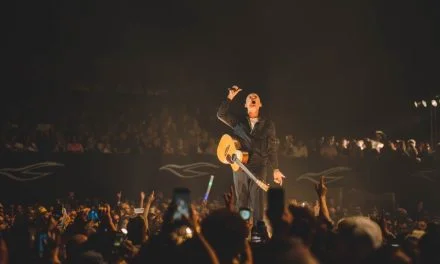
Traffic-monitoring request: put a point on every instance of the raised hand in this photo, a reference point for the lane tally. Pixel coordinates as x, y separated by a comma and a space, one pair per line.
119, 195
142, 195
132, 250
230, 199
233, 91
193, 223
151, 197
321, 188
107, 209
193, 220
278, 177
4, 257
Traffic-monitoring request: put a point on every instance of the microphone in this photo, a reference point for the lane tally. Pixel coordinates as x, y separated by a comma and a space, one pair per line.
234, 88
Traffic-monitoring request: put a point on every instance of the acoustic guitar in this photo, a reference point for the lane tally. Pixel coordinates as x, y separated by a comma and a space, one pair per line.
228, 152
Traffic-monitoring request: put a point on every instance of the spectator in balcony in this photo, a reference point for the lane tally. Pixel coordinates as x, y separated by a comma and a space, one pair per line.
300, 150
167, 147
181, 148
164, 114
211, 149
321, 142
144, 144
18, 145
30, 145
123, 145
343, 147
183, 124
313, 149
370, 153
194, 129
412, 149
289, 146
153, 126
389, 152
169, 127
328, 149
380, 136
157, 144
425, 150
151, 134
389, 146
60, 145
75, 146
420, 147
204, 139
354, 151
91, 144
401, 149
45, 141
10, 144
104, 145
192, 138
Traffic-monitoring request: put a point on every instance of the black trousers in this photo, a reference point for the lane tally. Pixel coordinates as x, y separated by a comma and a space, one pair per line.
247, 192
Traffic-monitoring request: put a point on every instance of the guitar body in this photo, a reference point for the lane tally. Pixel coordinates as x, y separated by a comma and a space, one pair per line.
228, 152
227, 147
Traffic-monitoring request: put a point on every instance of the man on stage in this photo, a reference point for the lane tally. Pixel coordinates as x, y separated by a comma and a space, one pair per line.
256, 135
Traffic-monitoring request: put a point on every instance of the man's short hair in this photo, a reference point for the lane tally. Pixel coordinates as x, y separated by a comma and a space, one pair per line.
360, 229
226, 232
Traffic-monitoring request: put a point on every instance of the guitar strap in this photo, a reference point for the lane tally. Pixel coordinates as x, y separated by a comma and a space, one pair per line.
240, 131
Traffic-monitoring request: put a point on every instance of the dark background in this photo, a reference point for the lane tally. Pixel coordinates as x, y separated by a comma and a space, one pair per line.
322, 67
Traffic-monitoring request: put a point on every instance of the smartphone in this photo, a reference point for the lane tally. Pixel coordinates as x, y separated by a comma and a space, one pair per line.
256, 238
259, 233
138, 210
93, 216
245, 213
119, 238
182, 201
275, 201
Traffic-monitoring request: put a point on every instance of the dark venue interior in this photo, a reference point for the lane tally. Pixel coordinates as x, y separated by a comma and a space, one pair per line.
113, 112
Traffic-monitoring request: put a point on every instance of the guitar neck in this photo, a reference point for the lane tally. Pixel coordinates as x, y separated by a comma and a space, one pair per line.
246, 170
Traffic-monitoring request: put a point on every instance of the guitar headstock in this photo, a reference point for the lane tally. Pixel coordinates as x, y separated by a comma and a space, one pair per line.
263, 185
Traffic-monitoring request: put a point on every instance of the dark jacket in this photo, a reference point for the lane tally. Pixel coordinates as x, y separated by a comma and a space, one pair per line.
260, 142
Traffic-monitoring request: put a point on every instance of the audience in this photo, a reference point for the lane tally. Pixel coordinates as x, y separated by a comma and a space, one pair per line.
74, 231
149, 125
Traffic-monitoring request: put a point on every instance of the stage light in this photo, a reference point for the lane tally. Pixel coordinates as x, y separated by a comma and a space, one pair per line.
434, 103
424, 103
416, 104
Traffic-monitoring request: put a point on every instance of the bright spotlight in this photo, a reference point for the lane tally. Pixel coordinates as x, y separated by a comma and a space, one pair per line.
424, 103
434, 103
416, 104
